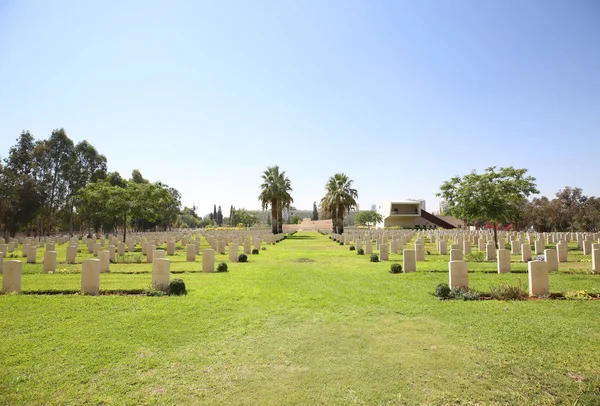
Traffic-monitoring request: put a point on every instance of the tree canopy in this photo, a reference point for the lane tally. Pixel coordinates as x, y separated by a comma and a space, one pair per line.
54, 184
275, 192
368, 218
340, 198
315, 212
495, 196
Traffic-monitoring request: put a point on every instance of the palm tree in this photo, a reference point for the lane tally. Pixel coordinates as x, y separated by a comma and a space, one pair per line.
275, 193
285, 199
339, 199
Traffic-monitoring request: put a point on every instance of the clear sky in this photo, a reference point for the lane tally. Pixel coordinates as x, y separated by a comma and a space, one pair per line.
399, 95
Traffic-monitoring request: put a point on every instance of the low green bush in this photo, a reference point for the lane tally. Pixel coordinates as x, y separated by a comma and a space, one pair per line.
508, 292
177, 287
243, 258
152, 291
352, 248
360, 251
442, 291
263, 248
477, 256
463, 293
222, 267
395, 268
341, 242
255, 251
374, 258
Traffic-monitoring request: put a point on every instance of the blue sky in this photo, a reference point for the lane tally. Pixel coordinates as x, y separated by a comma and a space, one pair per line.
399, 95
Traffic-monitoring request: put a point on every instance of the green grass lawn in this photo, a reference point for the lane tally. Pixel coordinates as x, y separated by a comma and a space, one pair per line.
304, 322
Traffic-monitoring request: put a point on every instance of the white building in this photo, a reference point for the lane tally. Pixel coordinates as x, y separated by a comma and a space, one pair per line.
409, 213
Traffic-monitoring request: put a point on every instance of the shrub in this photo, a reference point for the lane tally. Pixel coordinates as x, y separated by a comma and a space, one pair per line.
352, 248
263, 248
464, 294
582, 294
341, 242
243, 258
478, 256
395, 268
254, 251
222, 267
152, 291
374, 258
508, 292
177, 287
442, 291
360, 251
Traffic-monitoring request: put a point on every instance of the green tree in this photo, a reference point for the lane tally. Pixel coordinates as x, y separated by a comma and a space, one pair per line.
54, 158
494, 196
368, 218
285, 199
246, 218
589, 217
339, 199
88, 166
136, 177
571, 202
275, 192
110, 205
19, 189
315, 213
219, 217
18, 200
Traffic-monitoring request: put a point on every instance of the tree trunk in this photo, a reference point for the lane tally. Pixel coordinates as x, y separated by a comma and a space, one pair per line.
124, 227
496, 235
71, 223
280, 223
334, 221
340, 221
274, 216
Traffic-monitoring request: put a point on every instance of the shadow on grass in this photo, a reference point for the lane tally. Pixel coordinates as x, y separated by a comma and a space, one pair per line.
470, 271
301, 237
108, 292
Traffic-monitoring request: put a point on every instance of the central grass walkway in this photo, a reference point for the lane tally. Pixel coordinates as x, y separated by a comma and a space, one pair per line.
305, 322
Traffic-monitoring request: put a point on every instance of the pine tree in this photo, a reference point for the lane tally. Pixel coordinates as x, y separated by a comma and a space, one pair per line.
214, 217
219, 217
315, 213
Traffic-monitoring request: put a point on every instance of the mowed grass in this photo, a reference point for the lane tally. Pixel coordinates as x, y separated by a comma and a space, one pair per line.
305, 322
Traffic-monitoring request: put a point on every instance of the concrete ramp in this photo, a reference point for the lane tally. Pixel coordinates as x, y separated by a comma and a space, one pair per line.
436, 220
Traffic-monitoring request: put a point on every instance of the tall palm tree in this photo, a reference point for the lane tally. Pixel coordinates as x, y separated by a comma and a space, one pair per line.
275, 193
339, 199
285, 199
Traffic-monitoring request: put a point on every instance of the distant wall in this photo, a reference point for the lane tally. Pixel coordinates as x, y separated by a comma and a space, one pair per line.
408, 222
309, 225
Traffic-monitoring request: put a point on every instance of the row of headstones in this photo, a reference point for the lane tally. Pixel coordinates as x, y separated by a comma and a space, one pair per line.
538, 275
517, 247
12, 272
410, 257
491, 252
584, 239
148, 249
539, 241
